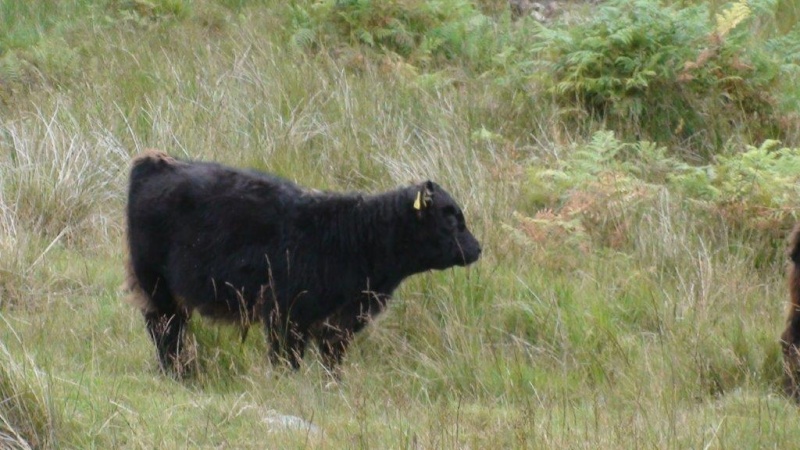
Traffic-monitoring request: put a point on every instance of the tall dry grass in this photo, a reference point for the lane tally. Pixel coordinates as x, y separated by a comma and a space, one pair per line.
669, 340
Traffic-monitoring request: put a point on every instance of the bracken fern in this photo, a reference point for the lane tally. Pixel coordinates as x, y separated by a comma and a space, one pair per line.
665, 73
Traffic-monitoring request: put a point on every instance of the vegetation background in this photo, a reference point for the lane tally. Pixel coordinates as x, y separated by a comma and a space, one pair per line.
632, 169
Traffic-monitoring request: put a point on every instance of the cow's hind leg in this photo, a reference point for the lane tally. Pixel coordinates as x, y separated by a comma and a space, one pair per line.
167, 329
165, 319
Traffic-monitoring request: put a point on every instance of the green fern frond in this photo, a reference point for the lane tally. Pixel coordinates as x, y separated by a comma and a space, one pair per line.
730, 18
365, 37
303, 38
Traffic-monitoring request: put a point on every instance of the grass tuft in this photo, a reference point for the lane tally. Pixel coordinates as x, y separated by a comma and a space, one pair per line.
27, 416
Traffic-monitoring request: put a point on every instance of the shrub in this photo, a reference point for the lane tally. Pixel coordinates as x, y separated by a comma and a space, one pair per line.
420, 31
597, 192
591, 195
755, 192
666, 74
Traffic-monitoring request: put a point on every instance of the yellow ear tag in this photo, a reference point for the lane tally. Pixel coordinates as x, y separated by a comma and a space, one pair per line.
418, 201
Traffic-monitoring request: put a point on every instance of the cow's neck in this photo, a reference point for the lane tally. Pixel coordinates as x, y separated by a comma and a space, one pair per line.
368, 234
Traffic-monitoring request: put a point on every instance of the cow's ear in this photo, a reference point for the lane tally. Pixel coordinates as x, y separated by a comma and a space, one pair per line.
424, 198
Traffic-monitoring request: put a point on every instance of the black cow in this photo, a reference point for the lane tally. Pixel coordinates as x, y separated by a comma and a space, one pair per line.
245, 246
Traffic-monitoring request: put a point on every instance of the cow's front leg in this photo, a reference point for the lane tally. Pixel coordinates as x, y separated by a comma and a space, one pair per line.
287, 345
333, 342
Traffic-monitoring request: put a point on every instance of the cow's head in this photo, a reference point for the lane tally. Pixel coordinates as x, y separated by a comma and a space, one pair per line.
440, 238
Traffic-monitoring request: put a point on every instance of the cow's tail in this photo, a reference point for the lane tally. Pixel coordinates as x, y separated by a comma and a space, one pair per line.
790, 340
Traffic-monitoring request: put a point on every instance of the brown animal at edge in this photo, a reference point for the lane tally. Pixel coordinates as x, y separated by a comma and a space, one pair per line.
790, 339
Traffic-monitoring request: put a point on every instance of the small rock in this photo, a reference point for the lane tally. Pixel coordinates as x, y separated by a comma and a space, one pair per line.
286, 422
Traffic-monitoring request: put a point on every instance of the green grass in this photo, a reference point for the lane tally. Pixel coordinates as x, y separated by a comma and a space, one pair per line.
656, 327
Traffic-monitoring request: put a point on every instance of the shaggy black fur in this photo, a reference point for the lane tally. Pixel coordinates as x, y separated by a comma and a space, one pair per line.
247, 246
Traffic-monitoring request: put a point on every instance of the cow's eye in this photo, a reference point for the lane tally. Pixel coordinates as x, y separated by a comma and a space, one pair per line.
452, 221
452, 218
460, 222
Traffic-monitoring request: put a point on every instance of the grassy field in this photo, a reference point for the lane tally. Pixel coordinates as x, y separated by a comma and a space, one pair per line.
609, 309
